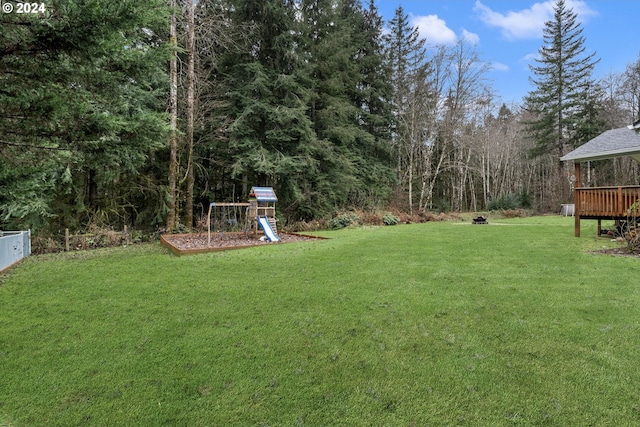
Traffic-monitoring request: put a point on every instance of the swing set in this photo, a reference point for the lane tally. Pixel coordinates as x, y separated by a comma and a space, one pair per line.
227, 217
259, 212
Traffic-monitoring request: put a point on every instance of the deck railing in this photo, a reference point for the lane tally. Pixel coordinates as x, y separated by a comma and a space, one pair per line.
606, 202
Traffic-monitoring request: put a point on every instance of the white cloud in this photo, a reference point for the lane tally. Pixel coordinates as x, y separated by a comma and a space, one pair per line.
528, 23
472, 38
434, 29
437, 33
498, 66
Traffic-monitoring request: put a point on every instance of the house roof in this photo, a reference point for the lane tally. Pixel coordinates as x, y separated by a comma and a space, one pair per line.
610, 144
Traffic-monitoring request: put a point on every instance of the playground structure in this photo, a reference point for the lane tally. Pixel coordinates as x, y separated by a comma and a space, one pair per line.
259, 212
262, 211
227, 217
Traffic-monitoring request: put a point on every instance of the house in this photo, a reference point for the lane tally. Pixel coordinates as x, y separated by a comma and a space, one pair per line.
600, 203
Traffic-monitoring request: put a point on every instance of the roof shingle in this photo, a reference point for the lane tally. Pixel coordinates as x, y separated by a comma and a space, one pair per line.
610, 144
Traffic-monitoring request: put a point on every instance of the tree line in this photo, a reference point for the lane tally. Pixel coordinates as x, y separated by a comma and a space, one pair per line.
143, 112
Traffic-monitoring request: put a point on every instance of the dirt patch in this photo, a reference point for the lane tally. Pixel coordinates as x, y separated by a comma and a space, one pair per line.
618, 252
182, 244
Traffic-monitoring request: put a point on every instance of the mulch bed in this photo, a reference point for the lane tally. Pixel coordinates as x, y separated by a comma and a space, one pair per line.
183, 244
618, 252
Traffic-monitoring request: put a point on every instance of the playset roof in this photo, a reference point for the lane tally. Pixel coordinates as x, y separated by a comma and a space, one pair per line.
264, 194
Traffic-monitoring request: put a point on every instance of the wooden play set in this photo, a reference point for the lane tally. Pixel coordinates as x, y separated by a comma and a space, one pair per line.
258, 213
235, 226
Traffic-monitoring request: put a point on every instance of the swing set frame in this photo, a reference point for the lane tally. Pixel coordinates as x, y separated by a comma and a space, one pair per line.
224, 206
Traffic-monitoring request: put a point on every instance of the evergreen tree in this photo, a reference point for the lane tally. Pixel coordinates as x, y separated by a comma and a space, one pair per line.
81, 87
376, 87
347, 105
563, 94
302, 104
372, 94
270, 134
590, 120
406, 56
332, 74
412, 102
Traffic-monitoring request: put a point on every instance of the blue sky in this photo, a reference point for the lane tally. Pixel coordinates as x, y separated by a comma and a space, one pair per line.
508, 33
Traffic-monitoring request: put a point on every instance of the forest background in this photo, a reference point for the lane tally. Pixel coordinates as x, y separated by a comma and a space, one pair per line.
142, 112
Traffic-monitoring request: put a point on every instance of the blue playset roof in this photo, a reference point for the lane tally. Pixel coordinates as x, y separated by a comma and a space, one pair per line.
264, 194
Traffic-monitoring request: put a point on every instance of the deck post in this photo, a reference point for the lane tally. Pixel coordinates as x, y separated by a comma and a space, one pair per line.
576, 199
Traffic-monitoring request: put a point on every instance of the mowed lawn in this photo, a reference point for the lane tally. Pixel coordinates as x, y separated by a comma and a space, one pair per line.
511, 323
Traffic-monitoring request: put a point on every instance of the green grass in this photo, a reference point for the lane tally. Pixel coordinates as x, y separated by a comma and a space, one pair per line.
430, 324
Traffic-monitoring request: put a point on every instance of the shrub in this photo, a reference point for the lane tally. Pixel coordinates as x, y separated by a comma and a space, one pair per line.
390, 219
91, 238
303, 226
370, 218
511, 201
515, 213
525, 199
343, 220
630, 231
633, 242
45, 245
504, 202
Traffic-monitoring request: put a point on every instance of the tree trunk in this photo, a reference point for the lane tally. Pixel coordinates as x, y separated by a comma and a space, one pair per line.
411, 184
173, 111
92, 189
188, 210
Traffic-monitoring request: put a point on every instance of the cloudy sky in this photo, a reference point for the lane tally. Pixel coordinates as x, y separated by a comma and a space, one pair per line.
508, 33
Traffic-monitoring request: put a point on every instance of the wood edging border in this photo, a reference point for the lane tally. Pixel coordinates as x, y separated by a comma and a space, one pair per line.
179, 252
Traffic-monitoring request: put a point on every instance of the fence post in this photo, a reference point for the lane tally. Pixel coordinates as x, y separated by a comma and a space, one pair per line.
66, 239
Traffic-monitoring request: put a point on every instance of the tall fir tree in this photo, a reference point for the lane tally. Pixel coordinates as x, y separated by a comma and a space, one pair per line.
376, 87
406, 55
270, 133
371, 97
81, 91
346, 75
332, 73
563, 94
410, 71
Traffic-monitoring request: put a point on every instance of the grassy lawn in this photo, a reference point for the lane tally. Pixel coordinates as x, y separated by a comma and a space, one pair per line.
512, 323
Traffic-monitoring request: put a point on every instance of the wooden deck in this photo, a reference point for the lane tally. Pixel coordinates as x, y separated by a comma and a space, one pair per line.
604, 203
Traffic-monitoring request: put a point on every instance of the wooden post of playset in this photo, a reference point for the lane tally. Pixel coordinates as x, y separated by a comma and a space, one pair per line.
253, 213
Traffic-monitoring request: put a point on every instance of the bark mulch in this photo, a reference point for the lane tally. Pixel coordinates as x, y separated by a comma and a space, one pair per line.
618, 252
183, 244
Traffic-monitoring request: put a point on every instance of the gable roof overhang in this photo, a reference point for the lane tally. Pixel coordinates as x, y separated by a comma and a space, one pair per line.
612, 143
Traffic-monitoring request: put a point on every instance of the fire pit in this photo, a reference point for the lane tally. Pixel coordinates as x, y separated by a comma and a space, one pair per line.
480, 220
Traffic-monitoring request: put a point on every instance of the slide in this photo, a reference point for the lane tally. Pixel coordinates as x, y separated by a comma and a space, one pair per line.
268, 231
